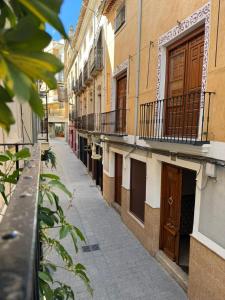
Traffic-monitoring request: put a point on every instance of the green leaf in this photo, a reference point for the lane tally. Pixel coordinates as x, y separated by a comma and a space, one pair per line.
22, 154
64, 230
45, 13
4, 157
46, 290
79, 233
38, 65
50, 266
2, 192
74, 238
53, 4
13, 177
61, 186
6, 13
80, 267
36, 103
46, 216
16, 81
45, 276
6, 116
49, 175
27, 34
4, 95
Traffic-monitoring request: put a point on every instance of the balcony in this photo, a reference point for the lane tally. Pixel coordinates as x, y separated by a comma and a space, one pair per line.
73, 114
75, 86
82, 123
113, 122
96, 61
180, 119
87, 76
81, 85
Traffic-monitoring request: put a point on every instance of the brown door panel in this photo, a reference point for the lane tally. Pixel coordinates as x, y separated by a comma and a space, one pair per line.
170, 210
184, 79
118, 177
138, 188
121, 104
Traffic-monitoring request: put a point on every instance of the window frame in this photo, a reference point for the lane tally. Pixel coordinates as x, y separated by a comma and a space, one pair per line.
118, 15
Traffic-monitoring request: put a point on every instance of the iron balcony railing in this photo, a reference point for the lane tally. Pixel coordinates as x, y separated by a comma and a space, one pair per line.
96, 60
87, 75
75, 86
178, 119
82, 123
20, 249
81, 82
91, 122
113, 122
73, 113
85, 72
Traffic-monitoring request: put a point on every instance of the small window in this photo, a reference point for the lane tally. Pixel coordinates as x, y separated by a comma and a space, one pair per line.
120, 18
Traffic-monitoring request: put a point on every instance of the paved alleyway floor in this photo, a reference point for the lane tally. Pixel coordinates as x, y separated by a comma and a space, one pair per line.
122, 269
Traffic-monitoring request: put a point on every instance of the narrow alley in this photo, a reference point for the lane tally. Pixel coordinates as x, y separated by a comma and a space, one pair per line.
121, 269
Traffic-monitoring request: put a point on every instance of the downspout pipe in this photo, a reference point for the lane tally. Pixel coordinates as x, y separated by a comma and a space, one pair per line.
138, 62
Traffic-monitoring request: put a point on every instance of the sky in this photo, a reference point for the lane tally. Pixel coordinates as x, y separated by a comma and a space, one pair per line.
69, 14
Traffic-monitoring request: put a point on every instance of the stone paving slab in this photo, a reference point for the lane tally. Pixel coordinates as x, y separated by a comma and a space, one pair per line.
122, 269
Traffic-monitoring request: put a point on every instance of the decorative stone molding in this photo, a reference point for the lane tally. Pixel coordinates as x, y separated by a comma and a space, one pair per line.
120, 68
202, 15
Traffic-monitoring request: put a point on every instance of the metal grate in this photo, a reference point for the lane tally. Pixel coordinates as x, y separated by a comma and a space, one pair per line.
90, 248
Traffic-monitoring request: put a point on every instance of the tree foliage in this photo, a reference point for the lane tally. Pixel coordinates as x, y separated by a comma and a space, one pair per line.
22, 58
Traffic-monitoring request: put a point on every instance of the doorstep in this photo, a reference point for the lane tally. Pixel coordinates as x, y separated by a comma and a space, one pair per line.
173, 269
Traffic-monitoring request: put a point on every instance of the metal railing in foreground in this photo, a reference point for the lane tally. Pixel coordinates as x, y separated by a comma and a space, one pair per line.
19, 239
179, 119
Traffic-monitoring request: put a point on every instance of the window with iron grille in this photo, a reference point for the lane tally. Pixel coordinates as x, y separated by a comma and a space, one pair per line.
120, 18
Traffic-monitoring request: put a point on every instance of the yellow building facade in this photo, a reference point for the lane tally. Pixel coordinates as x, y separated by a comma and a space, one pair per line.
159, 125
57, 102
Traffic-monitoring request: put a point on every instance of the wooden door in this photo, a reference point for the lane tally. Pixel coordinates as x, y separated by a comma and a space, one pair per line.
138, 188
118, 177
99, 169
89, 161
170, 210
85, 151
184, 78
121, 103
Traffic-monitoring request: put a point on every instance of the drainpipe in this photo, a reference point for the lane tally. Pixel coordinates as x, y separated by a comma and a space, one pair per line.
136, 104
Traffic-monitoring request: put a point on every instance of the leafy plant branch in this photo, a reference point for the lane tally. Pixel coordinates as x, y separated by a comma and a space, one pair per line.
23, 62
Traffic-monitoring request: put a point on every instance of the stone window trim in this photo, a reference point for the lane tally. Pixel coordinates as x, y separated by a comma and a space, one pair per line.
199, 17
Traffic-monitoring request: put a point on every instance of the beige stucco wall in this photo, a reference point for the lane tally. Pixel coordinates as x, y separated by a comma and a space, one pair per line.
206, 274
155, 22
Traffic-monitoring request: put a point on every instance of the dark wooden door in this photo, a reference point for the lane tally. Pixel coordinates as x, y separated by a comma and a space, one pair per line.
99, 169
89, 161
121, 103
184, 78
85, 151
138, 188
170, 210
118, 177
